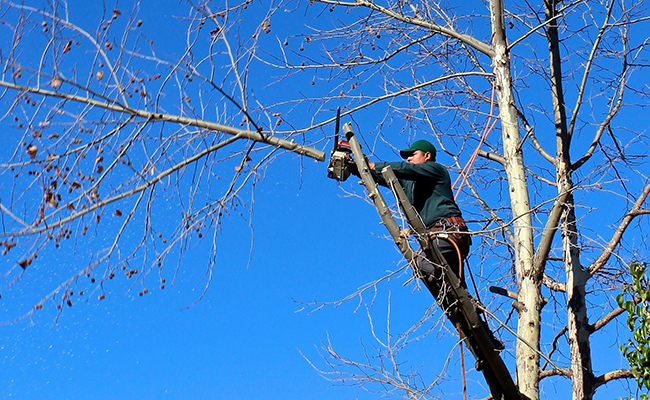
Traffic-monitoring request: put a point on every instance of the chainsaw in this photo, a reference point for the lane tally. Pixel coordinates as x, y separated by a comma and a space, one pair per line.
341, 160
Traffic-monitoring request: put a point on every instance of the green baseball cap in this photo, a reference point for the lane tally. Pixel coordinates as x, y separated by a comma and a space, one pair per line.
422, 145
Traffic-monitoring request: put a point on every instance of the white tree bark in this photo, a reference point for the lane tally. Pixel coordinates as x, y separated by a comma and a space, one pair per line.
528, 280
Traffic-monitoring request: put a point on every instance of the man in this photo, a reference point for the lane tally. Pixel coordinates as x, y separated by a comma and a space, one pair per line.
428, 188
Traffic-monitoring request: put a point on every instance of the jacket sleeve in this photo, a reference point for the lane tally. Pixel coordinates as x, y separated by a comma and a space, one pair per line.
412, 172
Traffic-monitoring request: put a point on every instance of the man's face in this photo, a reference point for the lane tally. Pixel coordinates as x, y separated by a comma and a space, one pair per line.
419, 157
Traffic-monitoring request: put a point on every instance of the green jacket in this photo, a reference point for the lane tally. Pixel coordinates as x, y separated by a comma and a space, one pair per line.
427, 186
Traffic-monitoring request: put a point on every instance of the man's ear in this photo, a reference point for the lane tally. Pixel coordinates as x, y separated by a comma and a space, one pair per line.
427, 156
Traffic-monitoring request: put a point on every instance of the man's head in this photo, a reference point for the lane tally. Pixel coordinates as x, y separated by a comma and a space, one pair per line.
419, 152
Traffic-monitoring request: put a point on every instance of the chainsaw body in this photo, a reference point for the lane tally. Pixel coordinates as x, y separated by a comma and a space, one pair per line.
341, 161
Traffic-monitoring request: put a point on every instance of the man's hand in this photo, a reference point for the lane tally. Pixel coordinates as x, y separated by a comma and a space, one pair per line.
405, 233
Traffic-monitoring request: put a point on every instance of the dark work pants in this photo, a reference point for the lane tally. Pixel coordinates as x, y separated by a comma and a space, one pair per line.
450, 254
433, 279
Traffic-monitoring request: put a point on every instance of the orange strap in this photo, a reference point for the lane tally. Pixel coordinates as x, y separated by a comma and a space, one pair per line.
491, 122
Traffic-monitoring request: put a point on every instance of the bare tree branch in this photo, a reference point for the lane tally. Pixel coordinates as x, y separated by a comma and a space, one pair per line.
607, 318
153, 116
587, 70
555, 372
31, 230
613, 375
530, 132
620, 230
550, 228
553, 284
469, 40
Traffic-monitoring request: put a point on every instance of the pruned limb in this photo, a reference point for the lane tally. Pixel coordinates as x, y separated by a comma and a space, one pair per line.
492, 156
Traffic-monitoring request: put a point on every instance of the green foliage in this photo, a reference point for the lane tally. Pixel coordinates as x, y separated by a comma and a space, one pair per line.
635, 300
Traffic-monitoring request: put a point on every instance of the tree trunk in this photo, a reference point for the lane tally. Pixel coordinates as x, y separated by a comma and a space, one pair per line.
529, 280
576, 278
578, 322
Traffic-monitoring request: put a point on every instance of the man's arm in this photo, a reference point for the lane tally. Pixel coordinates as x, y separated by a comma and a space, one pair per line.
405, 171
376, 175
412, 172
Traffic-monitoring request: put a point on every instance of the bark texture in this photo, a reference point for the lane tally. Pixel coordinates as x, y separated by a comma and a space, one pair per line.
529, 281
576, 277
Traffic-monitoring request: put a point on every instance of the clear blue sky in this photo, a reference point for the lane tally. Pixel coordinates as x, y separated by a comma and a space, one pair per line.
249, 336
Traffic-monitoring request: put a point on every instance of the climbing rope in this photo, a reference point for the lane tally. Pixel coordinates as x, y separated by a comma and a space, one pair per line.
464, 173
